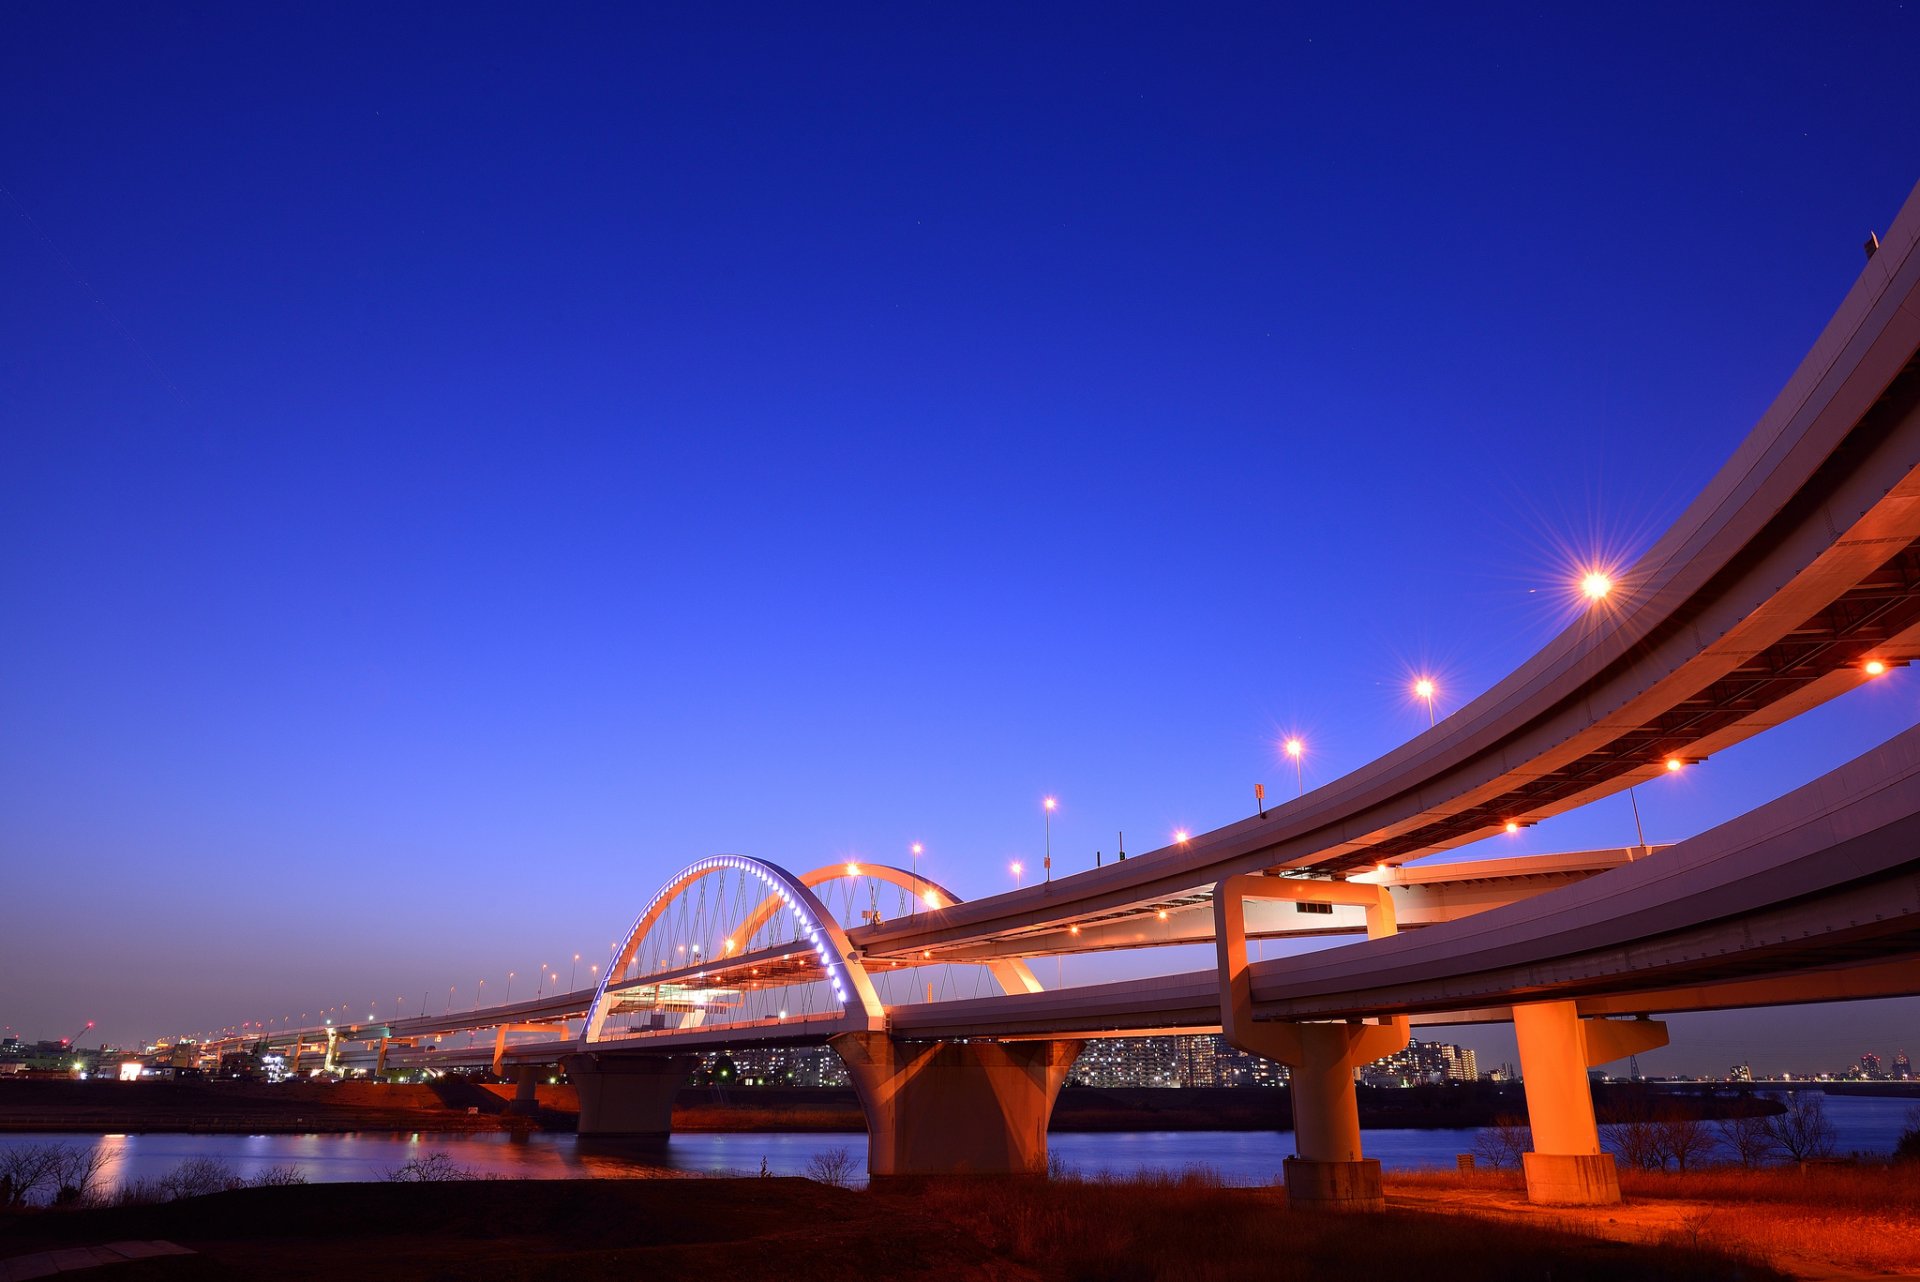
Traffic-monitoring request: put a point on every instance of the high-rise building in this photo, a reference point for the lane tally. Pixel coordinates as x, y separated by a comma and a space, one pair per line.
1902, 1067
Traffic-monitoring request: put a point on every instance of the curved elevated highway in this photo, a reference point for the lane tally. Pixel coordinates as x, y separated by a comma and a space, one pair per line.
1797, 565
1792, 578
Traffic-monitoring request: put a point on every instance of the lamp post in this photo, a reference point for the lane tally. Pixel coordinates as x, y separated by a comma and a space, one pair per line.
914, 850
1015, 865
1046, 861
573, 972
1424, 690
1296, 748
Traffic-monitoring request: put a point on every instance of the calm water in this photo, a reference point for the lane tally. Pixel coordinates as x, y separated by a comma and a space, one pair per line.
1863, 1125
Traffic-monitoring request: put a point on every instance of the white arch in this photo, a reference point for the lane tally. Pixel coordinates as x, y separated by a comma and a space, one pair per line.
860, 1005
1011, 973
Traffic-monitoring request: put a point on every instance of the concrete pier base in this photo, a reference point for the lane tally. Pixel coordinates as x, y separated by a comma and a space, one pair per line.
526, 1084
627, 1094
1334, 1186
956, 1108
1585, 1179
1567, 1167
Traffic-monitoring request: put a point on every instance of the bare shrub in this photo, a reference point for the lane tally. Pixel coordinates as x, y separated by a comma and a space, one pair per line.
1803, 1131
275, 1177
1749, 1138
1907, 1147
199, 1176
1682, 1137
61, 1174
1502, 1145
434, 1168
833, 1167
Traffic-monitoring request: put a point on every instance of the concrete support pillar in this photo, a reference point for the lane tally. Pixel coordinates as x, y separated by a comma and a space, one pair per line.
627, 1094
1557, 1047
956, 1108
1327, 1170
526, 1091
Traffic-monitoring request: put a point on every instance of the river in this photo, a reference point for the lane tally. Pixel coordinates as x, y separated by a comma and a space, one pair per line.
1862, 1124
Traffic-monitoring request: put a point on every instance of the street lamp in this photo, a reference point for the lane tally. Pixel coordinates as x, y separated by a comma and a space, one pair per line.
1424, 690
1596, 586
1046, 861
1296, 748
1015, 865
573, 972
915, 851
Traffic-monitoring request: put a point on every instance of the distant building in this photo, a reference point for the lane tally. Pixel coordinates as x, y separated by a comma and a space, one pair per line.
1902, 1067
1740, 1073
1423, 1063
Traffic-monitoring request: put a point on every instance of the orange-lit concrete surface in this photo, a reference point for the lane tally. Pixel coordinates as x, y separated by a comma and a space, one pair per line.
956, 1108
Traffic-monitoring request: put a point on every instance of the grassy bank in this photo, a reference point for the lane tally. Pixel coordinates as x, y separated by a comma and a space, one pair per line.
957, 1229
1822, 1220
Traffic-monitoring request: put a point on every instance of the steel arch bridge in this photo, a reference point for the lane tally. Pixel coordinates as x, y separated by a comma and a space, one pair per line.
739, 945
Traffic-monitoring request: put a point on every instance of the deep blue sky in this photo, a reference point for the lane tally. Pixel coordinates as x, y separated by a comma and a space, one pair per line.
458, 466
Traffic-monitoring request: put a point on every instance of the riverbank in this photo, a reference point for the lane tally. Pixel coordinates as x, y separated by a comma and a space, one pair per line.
1822, 1221
456, 1104
795, 1229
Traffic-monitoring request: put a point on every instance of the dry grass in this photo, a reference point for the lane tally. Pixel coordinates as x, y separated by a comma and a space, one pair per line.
1823, 1219
1862, 1218
1190, 1229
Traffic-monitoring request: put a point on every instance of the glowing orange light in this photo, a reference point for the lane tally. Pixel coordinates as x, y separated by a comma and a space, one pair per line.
1875, 667
933, 900
853, 870
1596, 585
926, 952
1512, 826
1073, 930
1163, 914
1673, 763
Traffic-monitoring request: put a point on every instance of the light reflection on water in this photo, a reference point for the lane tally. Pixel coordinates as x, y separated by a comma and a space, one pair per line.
1861, 1124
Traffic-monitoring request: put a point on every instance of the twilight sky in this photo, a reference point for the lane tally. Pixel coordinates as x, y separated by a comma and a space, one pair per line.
459, 464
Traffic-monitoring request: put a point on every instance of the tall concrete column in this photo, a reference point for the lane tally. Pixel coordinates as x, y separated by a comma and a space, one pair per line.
956, 1108
1557, 1047
526, 1091
1327, 1170
626, 1094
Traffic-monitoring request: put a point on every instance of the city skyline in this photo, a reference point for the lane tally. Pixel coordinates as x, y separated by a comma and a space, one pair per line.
413, 612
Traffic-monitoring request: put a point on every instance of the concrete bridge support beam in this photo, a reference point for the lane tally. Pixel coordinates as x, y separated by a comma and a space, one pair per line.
1327, 1170
1566, 1166
956, 1108
627, 1094
526, 1091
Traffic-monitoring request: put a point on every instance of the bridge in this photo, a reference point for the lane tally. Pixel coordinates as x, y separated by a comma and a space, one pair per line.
1792, 578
